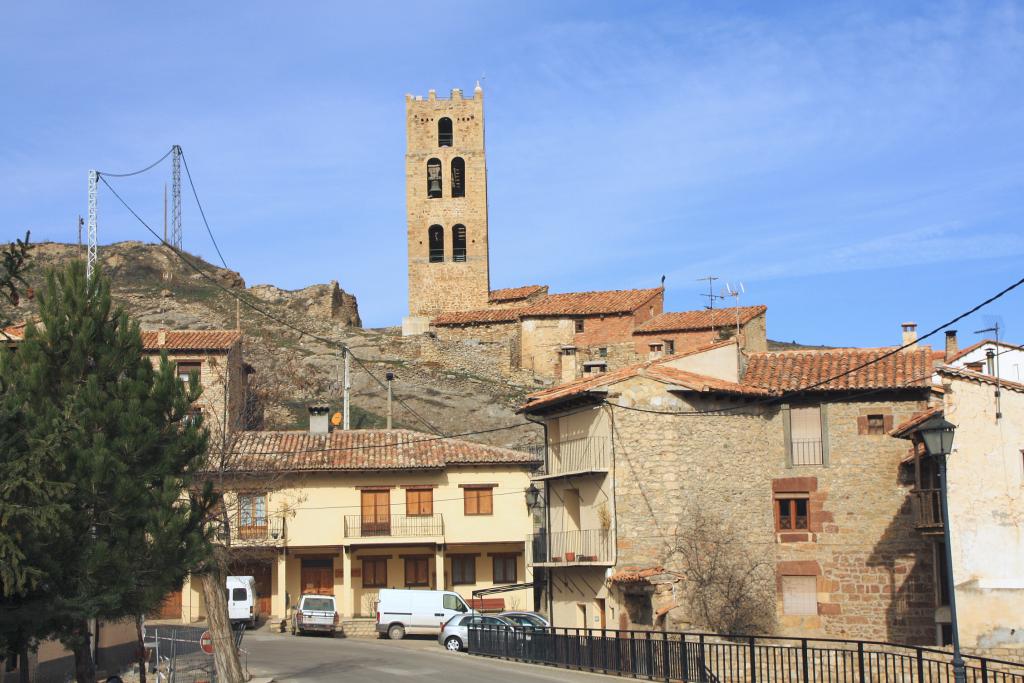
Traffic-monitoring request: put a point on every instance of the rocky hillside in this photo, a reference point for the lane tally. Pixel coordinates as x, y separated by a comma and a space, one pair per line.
450, 385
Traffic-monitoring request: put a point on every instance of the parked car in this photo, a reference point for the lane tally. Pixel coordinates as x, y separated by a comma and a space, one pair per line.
530, 621
315, 613
411, 611
454, 635
242, 600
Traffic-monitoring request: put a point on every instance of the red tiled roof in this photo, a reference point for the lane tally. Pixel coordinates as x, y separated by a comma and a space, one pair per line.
361, 449
904, 428
813, 370
963, 373
190, 340
635, 574
515, 293
977, 345
13, 332
478, 317
700, 320
655, 369
592, 303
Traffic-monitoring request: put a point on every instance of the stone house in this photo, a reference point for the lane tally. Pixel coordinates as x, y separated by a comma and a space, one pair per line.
986, 507
677, 332
216, 357
797, 467
346, 513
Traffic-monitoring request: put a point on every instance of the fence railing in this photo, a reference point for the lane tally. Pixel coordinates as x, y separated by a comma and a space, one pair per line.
176, 654
927, 504
707, 658
807, 451
586, 454
357, 526
268, 531
571, 547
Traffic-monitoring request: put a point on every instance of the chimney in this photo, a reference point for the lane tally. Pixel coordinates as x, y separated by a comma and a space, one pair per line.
952, 347
990, 361
976, 366
318, 418
161, 337
910, 334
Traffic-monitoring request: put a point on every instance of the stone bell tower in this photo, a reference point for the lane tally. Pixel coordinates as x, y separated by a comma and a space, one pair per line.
446, 205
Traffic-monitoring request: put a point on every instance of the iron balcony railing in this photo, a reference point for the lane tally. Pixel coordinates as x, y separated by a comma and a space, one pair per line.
927, 504
707, 658
807, 451
358, 526
267, 531
571, 547
574, 456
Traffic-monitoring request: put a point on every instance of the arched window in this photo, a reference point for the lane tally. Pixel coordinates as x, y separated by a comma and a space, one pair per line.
434, 178
459, 243
458, 177
435, 239
444, 132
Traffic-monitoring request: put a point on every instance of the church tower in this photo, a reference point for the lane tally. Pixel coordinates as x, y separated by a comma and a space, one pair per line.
446, 205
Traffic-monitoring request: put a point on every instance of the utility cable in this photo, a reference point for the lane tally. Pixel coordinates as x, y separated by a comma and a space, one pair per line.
126, 175
203, 213
264, 312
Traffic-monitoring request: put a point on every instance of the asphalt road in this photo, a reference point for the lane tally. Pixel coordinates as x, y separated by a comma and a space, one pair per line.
295, 659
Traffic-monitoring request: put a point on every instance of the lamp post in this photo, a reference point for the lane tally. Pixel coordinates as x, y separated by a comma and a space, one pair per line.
532, 496
937, 435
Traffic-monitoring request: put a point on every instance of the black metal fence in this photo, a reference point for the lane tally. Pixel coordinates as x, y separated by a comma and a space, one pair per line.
708, 658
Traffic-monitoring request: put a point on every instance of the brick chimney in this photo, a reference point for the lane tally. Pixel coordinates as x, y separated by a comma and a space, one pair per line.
318, 418
952, 347
910, 334
161, 337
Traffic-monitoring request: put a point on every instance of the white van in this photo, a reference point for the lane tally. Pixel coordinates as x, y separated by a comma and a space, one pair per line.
412, 611
242, 600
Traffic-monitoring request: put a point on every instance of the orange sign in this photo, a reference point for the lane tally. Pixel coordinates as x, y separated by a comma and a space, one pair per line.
336, 419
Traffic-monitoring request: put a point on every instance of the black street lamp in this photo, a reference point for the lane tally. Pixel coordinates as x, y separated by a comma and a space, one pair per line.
532, 496
937, 435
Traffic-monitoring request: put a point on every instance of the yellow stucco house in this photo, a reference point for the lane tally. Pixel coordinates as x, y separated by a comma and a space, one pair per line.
347, 513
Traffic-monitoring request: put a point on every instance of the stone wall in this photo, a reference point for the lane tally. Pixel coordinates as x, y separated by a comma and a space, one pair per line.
752, 334
873, 571
329, 301
448, 285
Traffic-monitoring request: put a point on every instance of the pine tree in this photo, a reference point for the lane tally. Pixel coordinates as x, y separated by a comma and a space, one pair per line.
114, 436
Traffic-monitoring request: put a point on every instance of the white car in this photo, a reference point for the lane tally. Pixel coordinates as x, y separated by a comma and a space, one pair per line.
455, 634
412, 611
315, 613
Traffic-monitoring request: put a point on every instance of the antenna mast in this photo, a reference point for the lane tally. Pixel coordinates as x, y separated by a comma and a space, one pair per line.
711, 296
176, 196
90, 251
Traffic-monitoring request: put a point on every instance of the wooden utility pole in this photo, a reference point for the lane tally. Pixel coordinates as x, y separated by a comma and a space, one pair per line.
346, 387
390, 378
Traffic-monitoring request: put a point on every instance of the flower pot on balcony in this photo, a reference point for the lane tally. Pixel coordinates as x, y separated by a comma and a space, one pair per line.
570, 556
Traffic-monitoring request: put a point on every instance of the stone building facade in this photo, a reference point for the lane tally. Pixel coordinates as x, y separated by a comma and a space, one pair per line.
678, 332
446, 203
809, 489
216, 355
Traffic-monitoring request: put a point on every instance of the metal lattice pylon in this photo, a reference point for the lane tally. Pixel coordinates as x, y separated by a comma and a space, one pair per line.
176, 197
90, 254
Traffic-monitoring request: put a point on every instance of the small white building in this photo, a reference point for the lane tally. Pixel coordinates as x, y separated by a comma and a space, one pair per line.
988, 356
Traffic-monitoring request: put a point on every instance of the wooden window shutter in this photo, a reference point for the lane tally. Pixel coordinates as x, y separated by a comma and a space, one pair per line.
862, 425
887, 423
824, 435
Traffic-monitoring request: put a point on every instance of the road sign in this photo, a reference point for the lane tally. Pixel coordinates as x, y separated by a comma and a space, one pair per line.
206, 642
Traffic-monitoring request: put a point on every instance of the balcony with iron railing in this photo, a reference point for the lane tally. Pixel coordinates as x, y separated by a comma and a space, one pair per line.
570, 457
266, 532
806, 451
562, 548
401, 526
927, 506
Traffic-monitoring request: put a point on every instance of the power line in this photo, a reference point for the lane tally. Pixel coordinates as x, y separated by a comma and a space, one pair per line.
125, 175
261, 311
202, 213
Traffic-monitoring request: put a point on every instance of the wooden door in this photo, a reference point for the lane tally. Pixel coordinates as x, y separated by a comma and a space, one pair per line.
317, 577
376, 513
600, 605
170, 608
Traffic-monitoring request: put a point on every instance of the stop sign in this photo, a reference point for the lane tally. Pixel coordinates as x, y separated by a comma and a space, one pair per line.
206, 642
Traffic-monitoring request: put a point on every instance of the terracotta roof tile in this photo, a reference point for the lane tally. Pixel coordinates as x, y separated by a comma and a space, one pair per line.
904, 428
362, 449
963, 373
190, 340
977, 345
700, 320
592, 303
803, 370
478, 317
516, 293
13, 332
635, 574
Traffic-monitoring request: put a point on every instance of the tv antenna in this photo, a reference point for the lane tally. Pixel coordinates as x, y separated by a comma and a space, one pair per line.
735, 294
994, 365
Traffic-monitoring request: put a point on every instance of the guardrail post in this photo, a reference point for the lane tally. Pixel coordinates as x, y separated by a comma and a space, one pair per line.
666, 656
685, 657
803, 656
649, 656
984, 670
920, 665
860, 660
702, 675
753, 660
632, 654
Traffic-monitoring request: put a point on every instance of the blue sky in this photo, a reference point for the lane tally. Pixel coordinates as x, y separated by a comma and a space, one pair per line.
854, 165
